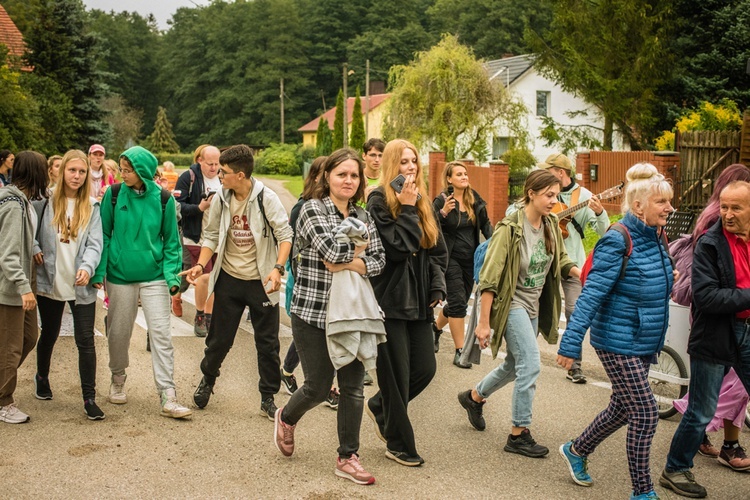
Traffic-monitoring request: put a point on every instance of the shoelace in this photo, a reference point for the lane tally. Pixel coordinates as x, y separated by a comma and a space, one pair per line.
288, 432
354, 462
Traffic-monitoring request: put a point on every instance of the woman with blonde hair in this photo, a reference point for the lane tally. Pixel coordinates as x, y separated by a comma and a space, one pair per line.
100, 174
463, 219
68, 249
626, 312
411, 285
53, 170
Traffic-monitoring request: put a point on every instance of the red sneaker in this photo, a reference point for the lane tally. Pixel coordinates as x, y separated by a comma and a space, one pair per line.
177, 306
352, 470
283, 435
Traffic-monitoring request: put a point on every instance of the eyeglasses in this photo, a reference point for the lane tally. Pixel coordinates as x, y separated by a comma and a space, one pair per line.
223, 172
125, 171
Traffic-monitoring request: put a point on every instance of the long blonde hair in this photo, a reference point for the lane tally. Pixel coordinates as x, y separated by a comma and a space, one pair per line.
389, 170
468, 192
82, 209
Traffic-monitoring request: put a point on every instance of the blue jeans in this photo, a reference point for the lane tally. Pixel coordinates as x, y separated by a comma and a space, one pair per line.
521, 364
705, 385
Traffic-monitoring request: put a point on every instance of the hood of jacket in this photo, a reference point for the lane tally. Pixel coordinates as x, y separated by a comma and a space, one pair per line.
144, 163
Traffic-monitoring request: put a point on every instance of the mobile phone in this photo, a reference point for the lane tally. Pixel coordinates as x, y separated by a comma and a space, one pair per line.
207, 195
398, 184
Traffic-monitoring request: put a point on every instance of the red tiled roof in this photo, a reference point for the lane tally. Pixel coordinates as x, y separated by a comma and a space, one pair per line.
10, 36
375, 101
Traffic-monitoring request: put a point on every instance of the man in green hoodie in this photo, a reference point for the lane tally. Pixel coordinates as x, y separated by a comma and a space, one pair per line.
140, 260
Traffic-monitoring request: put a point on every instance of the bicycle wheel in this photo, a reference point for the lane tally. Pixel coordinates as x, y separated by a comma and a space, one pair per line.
668, 363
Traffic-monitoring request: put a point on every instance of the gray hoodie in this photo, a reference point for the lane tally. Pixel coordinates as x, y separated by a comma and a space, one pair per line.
17, 236
88, 256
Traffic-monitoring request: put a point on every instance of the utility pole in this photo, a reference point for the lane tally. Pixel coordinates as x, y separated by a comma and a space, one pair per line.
346, 116
282, 110
367, 99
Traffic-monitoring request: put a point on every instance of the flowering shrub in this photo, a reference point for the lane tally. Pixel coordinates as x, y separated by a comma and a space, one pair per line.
724, 116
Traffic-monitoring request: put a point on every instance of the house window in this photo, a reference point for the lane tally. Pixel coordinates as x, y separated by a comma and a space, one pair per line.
499, 146
542, 103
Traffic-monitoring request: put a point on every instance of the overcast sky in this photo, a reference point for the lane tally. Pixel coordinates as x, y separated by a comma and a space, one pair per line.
161, 9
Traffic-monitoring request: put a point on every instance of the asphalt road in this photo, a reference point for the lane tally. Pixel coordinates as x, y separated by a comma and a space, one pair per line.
226, 450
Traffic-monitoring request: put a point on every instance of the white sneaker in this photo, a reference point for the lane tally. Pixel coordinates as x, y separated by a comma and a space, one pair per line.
171, 408
117, 394
12, 415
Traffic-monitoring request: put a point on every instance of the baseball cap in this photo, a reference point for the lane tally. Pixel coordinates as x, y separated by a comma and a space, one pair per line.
558, 160
97, 148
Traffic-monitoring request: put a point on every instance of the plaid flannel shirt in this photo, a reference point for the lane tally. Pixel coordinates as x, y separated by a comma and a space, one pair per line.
313, 281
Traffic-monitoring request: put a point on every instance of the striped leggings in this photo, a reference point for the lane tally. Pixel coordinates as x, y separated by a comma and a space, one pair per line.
631, 403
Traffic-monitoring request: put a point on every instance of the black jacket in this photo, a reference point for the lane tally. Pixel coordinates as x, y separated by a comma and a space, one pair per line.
449, 224
192, 217
413, 277
716, 300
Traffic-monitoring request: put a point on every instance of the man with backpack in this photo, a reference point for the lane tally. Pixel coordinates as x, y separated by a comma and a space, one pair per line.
593, 214
141, 259
248, 231
196, 188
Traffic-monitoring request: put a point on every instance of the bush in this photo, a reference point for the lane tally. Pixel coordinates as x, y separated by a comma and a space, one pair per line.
179, 159
284, 159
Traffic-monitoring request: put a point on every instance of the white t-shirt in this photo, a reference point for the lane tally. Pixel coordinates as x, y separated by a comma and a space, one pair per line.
65, 262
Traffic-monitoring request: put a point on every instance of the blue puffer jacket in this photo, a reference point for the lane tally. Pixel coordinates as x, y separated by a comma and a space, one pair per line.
627, 316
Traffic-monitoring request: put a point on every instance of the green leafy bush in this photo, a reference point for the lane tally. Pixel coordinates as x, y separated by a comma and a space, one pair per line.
285, 159
179, 159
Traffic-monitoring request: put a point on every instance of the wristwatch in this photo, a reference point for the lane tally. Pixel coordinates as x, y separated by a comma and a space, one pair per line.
280, 269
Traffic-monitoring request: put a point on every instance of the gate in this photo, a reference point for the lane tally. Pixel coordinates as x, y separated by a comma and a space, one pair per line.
703, 156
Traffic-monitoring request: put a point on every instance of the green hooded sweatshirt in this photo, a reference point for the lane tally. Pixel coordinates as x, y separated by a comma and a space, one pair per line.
141, 243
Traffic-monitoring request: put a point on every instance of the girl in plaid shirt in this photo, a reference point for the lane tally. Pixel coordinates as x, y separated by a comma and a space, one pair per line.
334, 199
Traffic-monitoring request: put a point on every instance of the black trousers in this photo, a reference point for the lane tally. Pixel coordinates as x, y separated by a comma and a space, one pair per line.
51, 312
292, 358
406, 365
319, 372
459, 280
231, 296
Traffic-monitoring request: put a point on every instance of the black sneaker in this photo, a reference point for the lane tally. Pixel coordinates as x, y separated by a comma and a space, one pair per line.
457, 361
199, 325
203, 393
268, 408
525, 445
404, 458
683, 483
576, 376
473, 410
436, 335
93, 412
289, 382
332, 401
42, 389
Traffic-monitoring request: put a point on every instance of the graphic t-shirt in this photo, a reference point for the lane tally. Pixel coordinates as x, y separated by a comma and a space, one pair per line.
66, 250
535, 263
240, 253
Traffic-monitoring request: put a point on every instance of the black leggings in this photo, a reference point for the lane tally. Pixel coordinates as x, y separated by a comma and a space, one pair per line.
51, 312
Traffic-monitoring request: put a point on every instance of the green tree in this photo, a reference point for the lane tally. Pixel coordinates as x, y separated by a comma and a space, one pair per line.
357, 137
21, 11
445, 98
125, 123
323, 139
491, 27
62, 48
613, 54
17, 126
339, 123
130, 59
162, 139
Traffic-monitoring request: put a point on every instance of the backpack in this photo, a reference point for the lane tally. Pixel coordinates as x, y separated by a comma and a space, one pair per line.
266, 224
479, 254
301, 243
165, 196
620, 228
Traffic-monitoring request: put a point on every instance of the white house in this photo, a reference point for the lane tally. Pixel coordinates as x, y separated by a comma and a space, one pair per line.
542, 97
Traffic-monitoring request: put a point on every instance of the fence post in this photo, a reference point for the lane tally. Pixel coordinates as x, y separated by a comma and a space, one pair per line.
437, 160
583, 174
497, 201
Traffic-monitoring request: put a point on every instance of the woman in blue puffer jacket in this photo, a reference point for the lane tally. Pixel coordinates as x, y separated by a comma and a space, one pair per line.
628, 320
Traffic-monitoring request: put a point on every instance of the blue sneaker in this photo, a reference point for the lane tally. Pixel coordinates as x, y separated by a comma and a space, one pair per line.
578, 466
651, 495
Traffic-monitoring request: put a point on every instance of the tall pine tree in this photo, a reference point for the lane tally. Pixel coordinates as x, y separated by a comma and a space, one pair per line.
357, 138
339, 122
62, 48
323, 139
162, 139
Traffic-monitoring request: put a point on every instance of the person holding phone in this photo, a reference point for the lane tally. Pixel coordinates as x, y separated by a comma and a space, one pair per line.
411, 285
252, 243
463, 219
